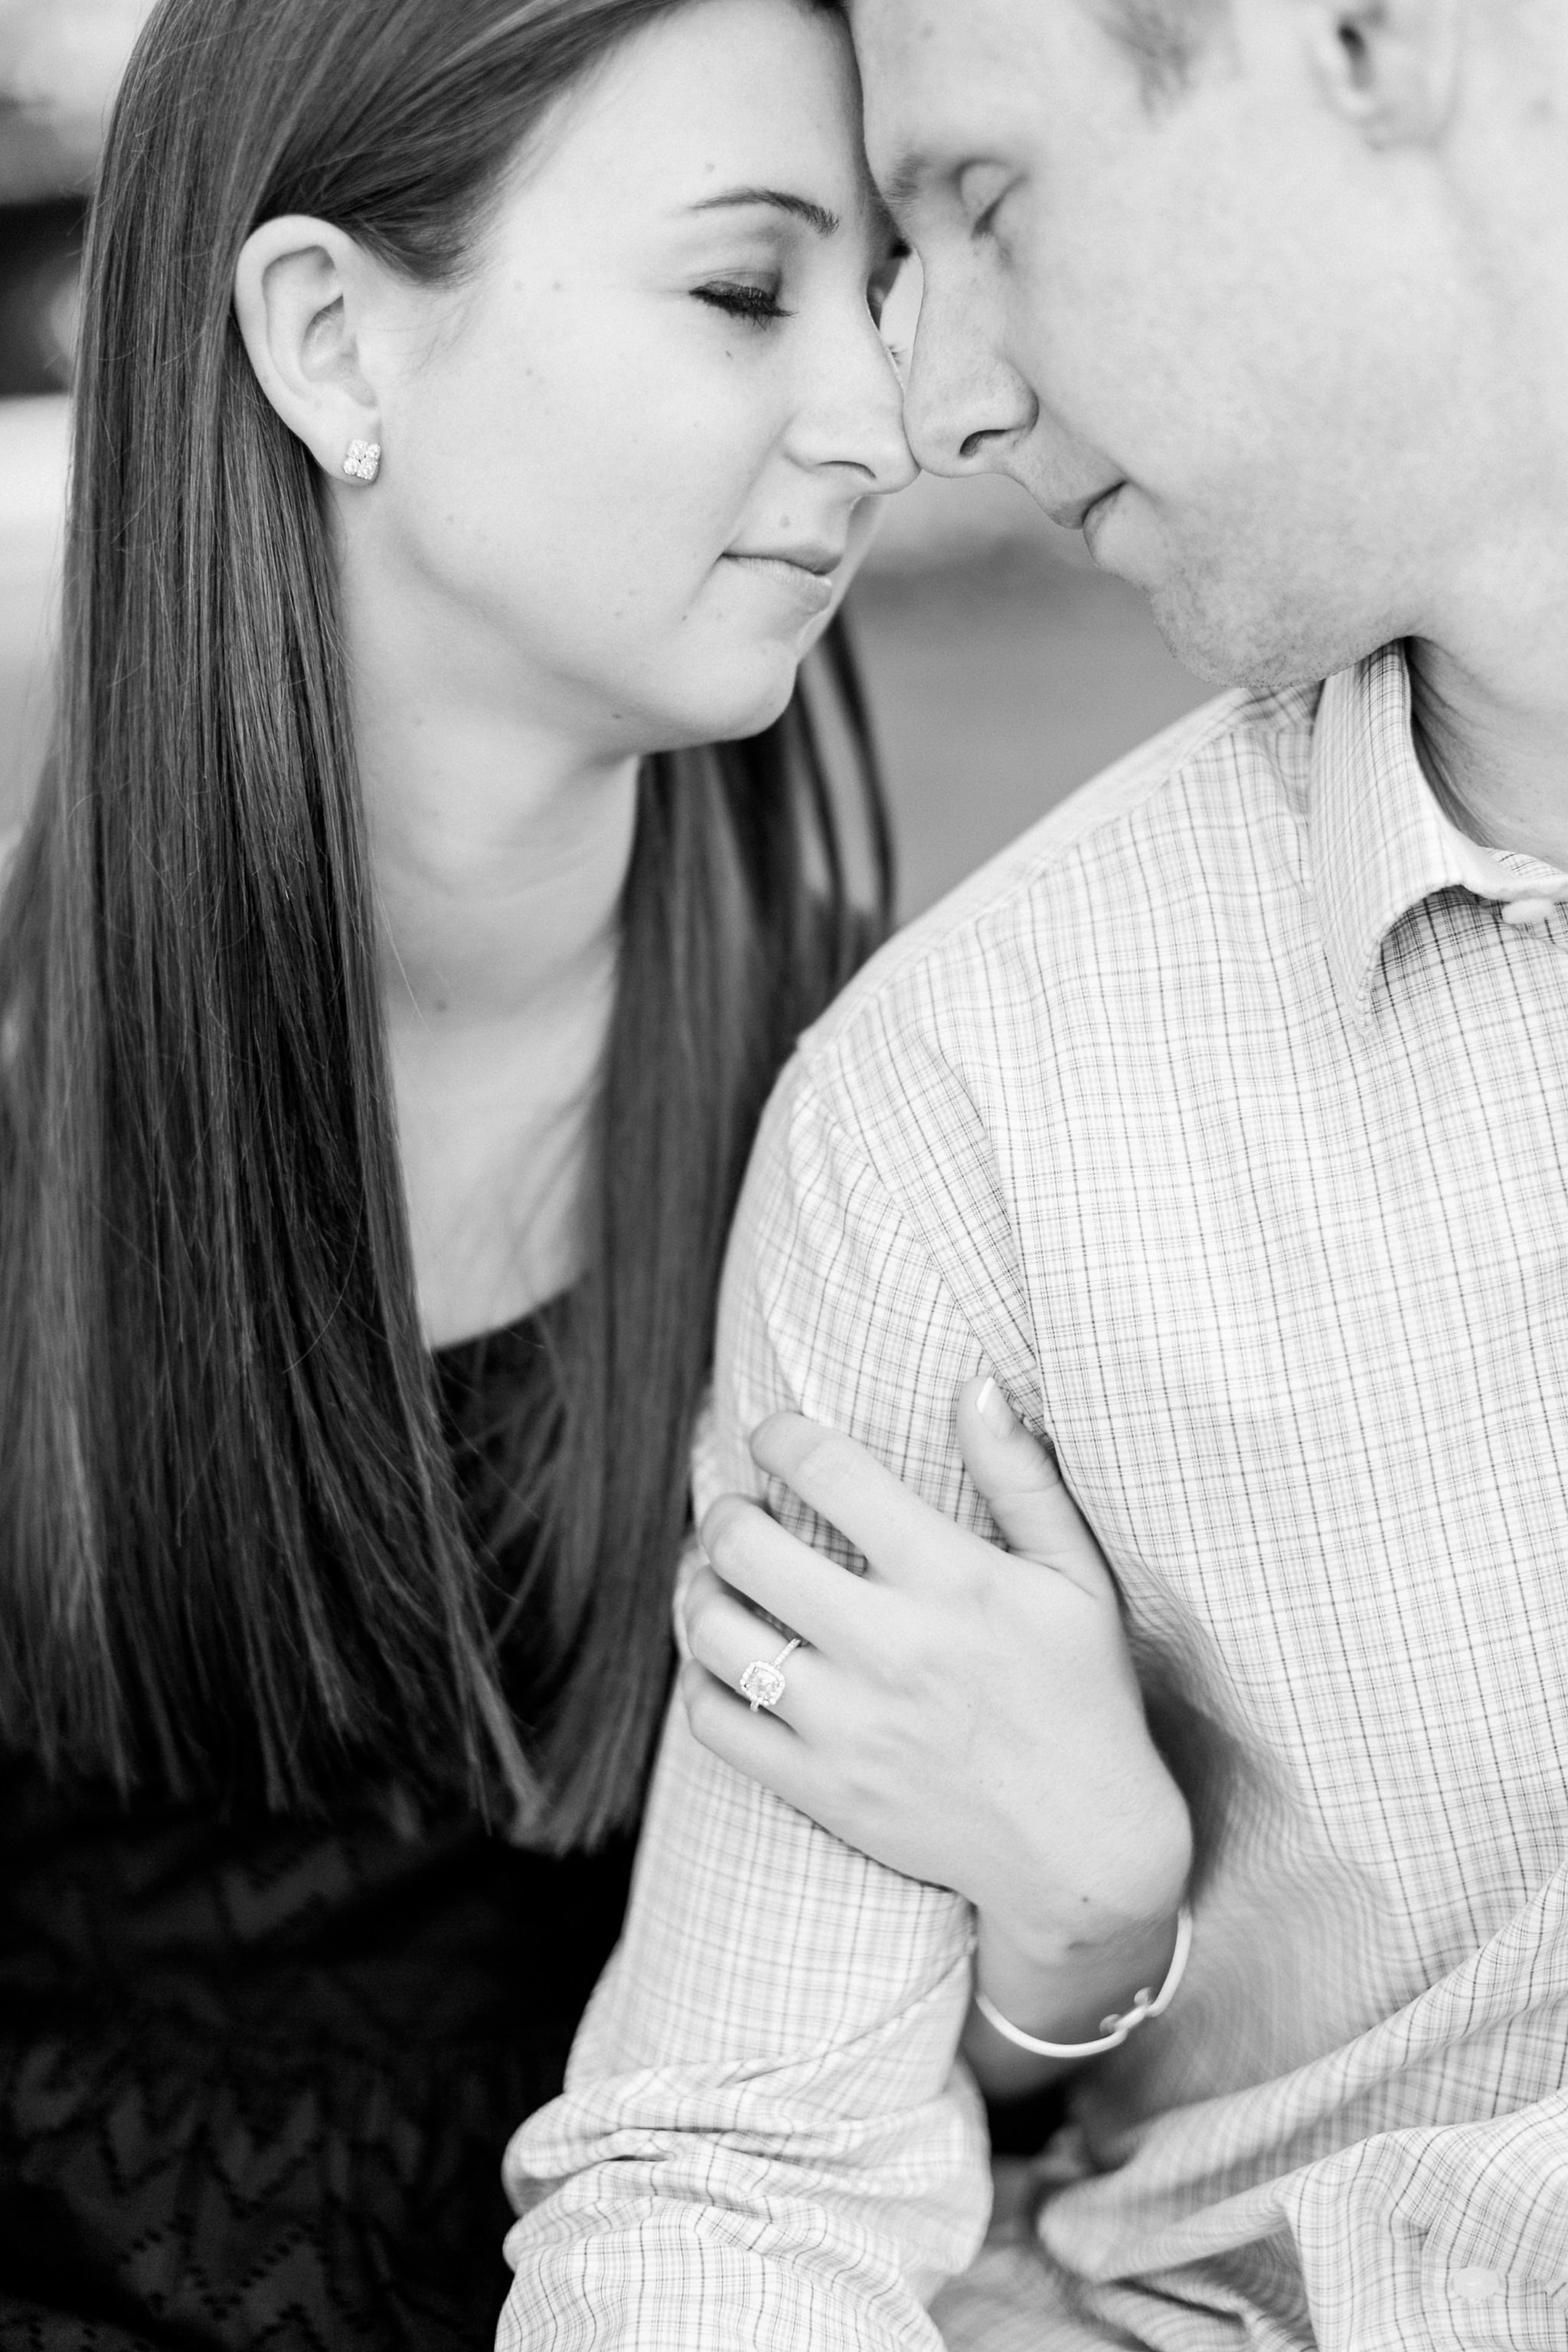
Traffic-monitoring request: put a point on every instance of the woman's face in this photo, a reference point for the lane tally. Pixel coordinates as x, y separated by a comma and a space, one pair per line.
631, 457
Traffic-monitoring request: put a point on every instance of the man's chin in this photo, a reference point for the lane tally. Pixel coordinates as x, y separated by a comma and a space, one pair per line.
1264, 650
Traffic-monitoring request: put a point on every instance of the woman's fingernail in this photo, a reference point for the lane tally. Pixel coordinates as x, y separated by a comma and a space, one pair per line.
991, 1407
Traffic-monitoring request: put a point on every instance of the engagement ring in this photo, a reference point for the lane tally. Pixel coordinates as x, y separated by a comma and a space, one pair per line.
762, 1683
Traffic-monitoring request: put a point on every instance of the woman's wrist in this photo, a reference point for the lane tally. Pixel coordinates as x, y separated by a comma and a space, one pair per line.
1055, 1968
1067, 1996
1128, 1889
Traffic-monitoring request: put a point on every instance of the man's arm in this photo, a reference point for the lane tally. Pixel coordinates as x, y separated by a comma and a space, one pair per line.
764, 2139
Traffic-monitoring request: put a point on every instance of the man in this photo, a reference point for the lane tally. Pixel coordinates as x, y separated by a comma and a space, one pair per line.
1224, 1122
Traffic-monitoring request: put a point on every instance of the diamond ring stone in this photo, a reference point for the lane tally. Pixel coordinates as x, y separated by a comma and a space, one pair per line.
762, 1682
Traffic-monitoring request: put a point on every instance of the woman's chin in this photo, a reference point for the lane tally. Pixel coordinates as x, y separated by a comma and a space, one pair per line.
741, 707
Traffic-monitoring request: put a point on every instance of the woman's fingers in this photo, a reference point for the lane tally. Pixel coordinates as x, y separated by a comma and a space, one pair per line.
1020, 1481
757, 1745
905, 1540
726, 1637
813, 1596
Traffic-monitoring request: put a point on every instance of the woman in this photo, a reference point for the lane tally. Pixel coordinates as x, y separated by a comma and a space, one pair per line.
478, 408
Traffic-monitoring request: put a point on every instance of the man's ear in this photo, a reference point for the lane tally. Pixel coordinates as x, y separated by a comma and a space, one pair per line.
300, 290
1389, 66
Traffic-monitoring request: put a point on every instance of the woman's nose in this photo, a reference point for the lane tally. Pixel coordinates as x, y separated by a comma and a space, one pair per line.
966, 406
856, 417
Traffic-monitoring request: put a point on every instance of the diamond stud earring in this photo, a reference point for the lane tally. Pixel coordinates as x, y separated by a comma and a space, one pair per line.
362, 463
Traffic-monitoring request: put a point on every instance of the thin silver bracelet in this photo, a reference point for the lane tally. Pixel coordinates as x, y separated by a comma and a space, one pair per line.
1114, 2030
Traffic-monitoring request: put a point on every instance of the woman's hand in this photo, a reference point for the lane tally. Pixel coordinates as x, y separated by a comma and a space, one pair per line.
968, 1715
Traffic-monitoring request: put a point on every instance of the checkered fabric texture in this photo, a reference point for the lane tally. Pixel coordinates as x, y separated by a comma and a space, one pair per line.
1224, 1120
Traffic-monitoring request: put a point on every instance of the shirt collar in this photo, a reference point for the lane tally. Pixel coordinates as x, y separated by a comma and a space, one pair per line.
1380, 841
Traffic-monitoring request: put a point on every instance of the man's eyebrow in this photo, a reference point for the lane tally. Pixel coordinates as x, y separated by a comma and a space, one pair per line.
816, 216
904, 183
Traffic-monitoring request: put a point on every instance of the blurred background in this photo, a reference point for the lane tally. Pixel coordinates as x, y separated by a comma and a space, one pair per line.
1003, 669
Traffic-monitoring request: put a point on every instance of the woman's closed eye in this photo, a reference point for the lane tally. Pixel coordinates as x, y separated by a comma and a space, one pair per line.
742, 299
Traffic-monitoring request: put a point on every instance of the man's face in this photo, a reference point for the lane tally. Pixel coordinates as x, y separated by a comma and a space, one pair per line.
1217, 327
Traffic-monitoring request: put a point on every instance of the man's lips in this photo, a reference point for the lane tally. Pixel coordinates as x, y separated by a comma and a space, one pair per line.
1074, 513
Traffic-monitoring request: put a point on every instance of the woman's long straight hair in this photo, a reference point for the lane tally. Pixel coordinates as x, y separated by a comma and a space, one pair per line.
233, 1555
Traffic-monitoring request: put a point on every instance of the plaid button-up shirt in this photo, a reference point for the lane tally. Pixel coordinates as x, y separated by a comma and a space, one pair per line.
1224, 1120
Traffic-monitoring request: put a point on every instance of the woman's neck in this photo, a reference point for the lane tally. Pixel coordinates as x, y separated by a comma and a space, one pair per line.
499, 855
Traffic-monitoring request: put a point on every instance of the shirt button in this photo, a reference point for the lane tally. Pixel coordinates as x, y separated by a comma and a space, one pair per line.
1475, 2284
1527, 911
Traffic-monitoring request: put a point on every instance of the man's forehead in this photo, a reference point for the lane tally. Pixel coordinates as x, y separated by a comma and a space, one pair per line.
944, 81
918, 45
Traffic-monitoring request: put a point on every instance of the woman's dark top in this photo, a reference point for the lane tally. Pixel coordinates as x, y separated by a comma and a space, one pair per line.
256, 2075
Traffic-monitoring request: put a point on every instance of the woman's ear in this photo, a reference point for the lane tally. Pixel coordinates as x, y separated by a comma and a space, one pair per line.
299, 293
1390, 66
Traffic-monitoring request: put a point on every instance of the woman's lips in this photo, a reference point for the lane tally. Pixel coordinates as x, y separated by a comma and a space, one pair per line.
809, 589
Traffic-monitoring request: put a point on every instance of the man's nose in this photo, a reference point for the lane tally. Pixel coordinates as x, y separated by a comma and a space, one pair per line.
966, 408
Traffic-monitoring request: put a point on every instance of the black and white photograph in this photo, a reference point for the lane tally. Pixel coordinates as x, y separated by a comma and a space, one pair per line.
784, 1176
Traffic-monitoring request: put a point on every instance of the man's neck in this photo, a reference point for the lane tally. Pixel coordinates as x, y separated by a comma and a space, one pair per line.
1492, 736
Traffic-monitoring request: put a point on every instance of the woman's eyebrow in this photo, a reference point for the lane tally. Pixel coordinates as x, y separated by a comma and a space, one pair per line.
816, 216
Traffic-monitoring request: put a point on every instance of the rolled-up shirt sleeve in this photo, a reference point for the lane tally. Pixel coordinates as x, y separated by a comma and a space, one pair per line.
765, 2139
